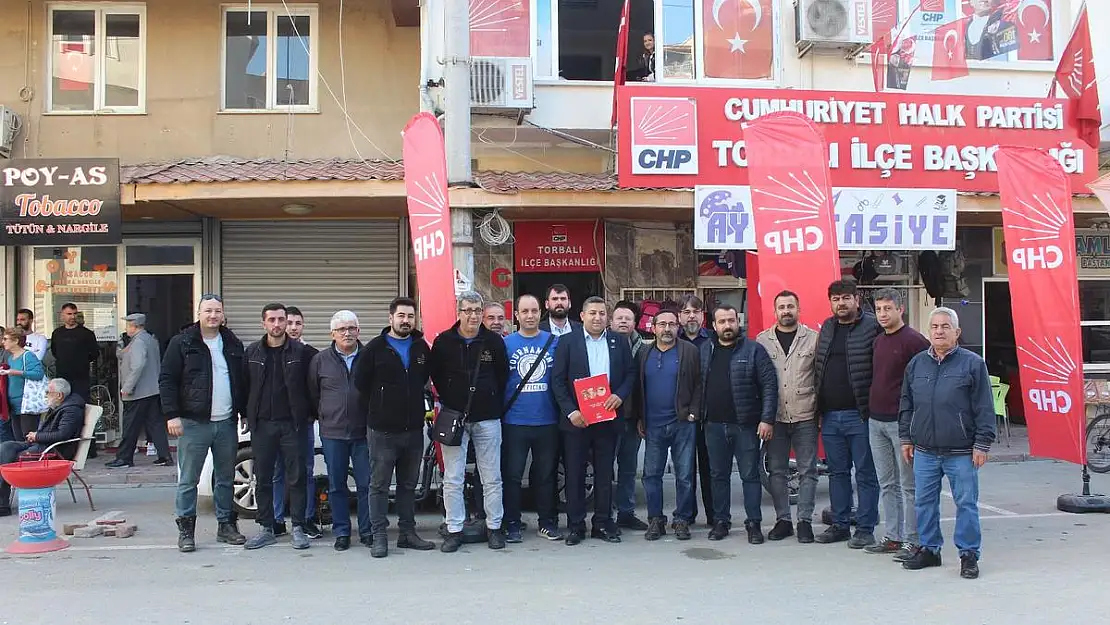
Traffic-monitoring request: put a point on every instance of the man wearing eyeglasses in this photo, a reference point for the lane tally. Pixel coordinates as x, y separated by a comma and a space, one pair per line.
455, 354
669, 400
202, 389
691, 315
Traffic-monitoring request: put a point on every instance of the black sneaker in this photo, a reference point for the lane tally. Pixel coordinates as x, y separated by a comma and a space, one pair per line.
861, 539
719, 531
342, 543
629, 521
906, 552
834, 534
755, 534
496, 539
280, 528
681, 530
119, 464
514, 533
782, 529
452, 542
657, 528
805, 532
969, 567
923, 559
885, 546
163, 462
312, 530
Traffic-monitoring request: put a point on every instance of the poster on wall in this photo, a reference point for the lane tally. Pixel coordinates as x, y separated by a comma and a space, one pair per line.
60, 202
866, 218
998, 32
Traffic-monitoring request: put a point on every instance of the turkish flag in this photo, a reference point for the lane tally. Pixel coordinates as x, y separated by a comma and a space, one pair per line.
950, 51
500, 28
1040, 246
792, 205
1033, 19
622, 56
879, 52
1076, 76
75, 66
429, 222
738, 38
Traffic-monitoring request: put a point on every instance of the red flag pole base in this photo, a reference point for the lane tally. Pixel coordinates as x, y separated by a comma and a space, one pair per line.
1085, 503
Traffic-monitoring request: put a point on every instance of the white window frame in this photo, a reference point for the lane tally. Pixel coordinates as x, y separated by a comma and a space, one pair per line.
553, 78
273, 12
1061, 30
100, 47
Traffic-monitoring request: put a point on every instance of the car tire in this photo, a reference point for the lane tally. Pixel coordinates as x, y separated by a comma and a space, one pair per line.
791, 475
244, 485
561, 485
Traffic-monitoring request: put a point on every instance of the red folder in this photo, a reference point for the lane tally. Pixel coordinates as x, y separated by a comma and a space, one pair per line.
592, 393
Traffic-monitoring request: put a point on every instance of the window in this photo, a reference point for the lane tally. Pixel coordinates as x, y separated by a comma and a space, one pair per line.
270, 56
669, 40
1094, 315
97, 59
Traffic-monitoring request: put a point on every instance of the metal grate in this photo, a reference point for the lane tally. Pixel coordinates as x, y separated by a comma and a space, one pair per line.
657, 294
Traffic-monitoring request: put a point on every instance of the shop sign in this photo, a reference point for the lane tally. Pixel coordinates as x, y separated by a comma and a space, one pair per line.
688, 136
866, 218
60, 202
558, 247
1092, 253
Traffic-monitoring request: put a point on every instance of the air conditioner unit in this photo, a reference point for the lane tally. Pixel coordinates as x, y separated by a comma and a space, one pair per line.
501, 83
9, 126
833, 24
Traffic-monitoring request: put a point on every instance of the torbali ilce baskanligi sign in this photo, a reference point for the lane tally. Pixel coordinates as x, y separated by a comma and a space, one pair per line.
60, 202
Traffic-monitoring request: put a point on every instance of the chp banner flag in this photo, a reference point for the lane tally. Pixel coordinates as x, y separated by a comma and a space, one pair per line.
429, 222
500, 28
1076, 76
739, 38
1044, 285
792, 204
622, 57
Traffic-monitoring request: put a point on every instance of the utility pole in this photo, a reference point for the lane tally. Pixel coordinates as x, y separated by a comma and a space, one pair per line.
456, 78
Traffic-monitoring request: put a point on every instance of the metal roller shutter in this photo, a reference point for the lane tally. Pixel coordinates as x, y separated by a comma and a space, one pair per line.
318, 266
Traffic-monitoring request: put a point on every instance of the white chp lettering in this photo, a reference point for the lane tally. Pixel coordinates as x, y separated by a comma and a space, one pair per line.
430, 245
1054, 401
805, 239
1040, 257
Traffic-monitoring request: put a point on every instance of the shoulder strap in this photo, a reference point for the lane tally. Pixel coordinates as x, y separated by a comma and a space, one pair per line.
473, 384
524, 380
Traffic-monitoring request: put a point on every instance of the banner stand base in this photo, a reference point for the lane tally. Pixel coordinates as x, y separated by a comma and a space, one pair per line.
1085, 503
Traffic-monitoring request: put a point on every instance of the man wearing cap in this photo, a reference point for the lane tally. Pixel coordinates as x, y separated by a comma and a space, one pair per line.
139, 367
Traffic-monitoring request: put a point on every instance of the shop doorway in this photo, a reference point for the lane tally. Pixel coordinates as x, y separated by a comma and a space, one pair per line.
580, 285
165, 299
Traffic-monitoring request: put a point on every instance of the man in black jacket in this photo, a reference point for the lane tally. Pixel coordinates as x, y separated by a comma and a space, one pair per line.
557, 304
342, 414
391, 374
845, 347
202, 390
73, 346
740, 403
455, 354
63, 422
277, 413
668, 399
582, 354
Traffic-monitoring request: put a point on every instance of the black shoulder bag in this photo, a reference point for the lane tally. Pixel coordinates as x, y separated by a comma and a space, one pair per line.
527, 376
449, 423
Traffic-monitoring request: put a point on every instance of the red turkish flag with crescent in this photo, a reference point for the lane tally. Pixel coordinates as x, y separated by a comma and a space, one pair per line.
1076, 76
429, 222
1044, 289
950, 51
500, 28
792, 203
739, 37
75, 66
1033, 19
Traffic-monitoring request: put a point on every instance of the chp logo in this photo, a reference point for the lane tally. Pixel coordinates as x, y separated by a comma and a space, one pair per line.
664, 136
1051, 365
1039, 226
796, 200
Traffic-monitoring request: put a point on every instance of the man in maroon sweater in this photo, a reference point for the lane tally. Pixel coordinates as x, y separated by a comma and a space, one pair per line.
893, 350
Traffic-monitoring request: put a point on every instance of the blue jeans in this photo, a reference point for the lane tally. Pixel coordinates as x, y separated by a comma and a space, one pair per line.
7, 434
726, 441
197, 438
309, 451
847, 445
340, 454
486, 437
628, 456
928, 472
679, 438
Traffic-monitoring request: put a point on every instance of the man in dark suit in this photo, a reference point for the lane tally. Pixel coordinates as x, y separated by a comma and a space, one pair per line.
557, 304
586, 352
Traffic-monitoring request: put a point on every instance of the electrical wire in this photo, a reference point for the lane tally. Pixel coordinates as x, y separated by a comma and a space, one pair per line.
495, 230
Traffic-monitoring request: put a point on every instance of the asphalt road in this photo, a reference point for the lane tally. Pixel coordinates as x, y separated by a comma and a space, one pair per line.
1039, 566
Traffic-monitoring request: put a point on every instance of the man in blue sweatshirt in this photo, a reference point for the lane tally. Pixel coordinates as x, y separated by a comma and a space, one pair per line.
530, 423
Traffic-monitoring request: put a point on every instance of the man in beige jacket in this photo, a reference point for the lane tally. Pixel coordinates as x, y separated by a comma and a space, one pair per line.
792, 346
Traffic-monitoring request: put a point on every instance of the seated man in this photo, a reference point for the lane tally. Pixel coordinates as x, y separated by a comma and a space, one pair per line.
62, 422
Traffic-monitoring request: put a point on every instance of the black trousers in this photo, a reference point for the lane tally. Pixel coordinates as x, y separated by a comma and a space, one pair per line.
267, 439
542, 441
141, 415
596, 445
392, 454
701, 465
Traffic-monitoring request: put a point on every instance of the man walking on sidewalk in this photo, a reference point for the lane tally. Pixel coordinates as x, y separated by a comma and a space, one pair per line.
277, 412
391, 374
894, 349
140, 366
201, 387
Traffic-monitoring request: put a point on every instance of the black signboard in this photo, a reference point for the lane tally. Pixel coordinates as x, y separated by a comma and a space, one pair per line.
69, 201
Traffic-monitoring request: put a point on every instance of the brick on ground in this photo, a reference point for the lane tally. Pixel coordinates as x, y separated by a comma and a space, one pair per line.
89, 531
69, 528
127, 530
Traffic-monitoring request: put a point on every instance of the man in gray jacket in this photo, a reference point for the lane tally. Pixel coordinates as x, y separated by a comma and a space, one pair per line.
140, 365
